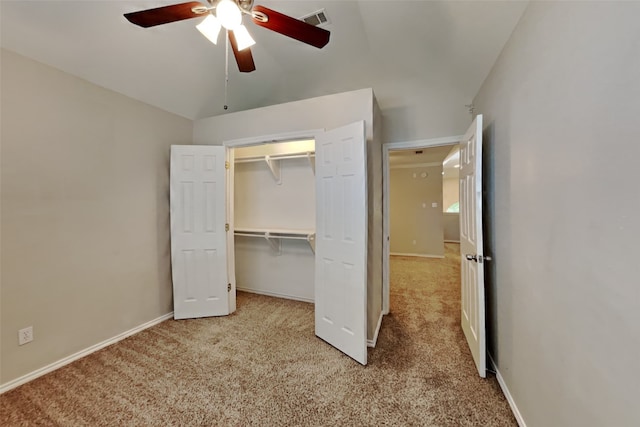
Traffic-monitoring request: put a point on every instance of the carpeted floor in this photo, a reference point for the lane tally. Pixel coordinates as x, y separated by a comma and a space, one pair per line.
263, 366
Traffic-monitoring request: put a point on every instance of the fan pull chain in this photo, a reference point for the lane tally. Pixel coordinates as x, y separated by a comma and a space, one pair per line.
226, 70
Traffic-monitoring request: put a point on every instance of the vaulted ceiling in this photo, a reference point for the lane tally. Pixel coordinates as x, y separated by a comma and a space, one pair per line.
392, 46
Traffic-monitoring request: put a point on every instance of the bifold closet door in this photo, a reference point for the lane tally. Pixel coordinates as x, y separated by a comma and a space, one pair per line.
341, 240
198, 235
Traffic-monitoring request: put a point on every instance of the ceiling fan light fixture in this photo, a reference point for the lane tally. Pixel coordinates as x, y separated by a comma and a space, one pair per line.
210, 28
229, 14
215, 14
243, 38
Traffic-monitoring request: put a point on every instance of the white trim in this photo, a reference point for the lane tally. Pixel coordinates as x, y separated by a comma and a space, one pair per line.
278, 137
275, 294
416, 255
372, 343
386, 248
507, 394
82, 353
452, 241
231, 241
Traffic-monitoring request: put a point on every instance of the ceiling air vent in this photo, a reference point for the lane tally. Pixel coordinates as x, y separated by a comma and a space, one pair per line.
318, 18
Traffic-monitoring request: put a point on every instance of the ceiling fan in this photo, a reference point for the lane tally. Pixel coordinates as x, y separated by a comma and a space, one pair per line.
229, 14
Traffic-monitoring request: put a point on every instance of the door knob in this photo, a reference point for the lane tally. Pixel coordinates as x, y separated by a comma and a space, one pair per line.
471, 257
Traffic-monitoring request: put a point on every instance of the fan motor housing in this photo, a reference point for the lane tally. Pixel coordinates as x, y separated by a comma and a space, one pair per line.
245, 5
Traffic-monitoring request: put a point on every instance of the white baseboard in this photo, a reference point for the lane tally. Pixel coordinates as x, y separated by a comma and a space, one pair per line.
452, 241
275, 294
82, 353
417, 255
372, 343
507, 394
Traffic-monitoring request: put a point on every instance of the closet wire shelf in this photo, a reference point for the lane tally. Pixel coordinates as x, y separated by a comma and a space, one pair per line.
275, 236
273, 162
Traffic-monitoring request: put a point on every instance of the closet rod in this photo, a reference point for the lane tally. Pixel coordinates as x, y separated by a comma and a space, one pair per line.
275, 238
272, 236
274, 157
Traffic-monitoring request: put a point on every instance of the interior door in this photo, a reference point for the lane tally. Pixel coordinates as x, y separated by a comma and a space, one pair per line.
341, 240
471, 248
198, 235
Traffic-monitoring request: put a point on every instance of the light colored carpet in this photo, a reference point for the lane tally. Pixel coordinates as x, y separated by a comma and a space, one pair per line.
263, 366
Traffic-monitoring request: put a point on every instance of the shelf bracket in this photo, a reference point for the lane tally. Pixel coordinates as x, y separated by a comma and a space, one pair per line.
311, 239
274, 166
274, 242
312, 163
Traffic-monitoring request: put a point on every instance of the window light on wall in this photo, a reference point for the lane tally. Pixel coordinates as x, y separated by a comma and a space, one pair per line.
454, 208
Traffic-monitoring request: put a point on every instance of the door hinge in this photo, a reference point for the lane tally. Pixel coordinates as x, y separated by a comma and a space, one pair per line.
478, 258
226, 227
228, 287
227, 165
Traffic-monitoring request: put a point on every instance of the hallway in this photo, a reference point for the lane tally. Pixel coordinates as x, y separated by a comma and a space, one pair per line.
423, 330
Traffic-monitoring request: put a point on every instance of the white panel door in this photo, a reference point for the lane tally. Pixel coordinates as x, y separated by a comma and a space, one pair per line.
341, 240
471, 248
198, 236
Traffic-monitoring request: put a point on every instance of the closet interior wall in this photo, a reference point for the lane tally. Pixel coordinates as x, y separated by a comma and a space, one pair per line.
274, 219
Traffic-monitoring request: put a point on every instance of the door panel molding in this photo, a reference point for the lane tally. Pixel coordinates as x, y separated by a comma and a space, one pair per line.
198, 237
471, 245
341, 240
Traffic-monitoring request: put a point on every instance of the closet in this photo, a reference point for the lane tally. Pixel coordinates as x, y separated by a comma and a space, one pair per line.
275, 218
295, 214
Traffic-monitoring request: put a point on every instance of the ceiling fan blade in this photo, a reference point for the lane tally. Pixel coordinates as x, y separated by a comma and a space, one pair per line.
292, 27
165, 14
244, 58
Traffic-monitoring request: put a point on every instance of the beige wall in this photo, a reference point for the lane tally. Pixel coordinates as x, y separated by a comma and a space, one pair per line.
450, 192
415, 225
561, 110
85, 213
323, 112
450, 221
451, 226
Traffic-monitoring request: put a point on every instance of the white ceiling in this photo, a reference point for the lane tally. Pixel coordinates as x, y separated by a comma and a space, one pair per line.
448, 156
420, 155
392, 46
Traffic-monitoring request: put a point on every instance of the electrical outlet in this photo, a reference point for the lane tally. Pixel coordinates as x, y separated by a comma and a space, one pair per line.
25, 335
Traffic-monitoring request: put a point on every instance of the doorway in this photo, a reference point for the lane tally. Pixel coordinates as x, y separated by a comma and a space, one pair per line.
274, 218
411, 162
268, 213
